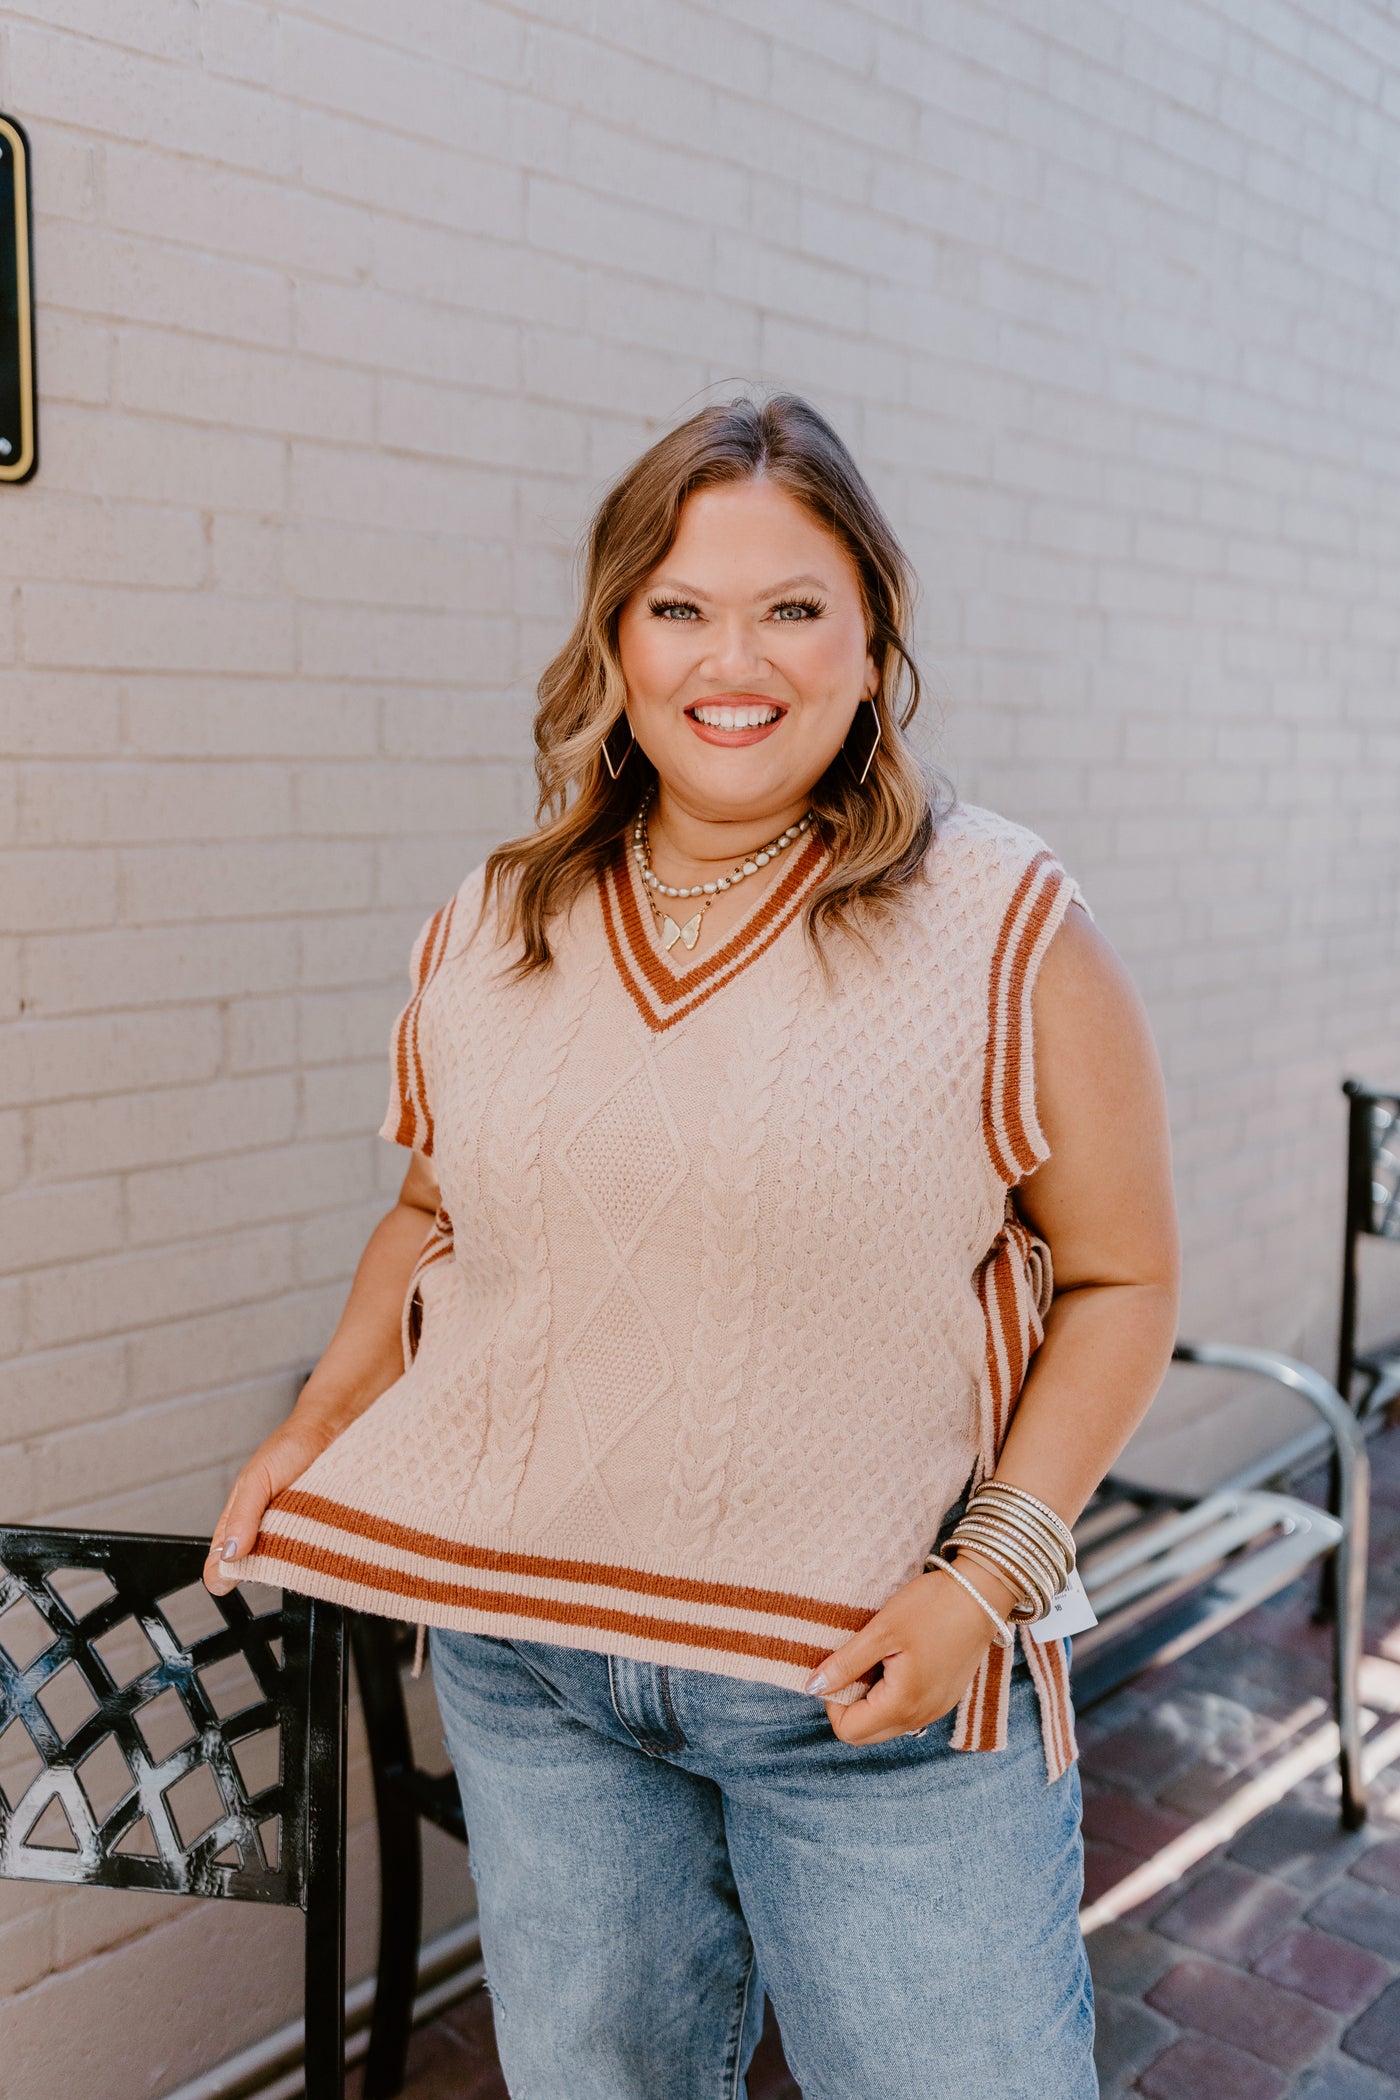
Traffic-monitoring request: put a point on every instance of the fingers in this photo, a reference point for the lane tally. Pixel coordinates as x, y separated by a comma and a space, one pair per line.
237, 1528
856, 1660
876, 1716
868, 1720
917, 1656
889, 1709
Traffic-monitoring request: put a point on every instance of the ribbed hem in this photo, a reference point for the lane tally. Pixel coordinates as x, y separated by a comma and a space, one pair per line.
696, 1619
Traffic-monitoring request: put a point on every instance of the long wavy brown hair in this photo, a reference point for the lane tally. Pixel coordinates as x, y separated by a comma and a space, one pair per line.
878, 833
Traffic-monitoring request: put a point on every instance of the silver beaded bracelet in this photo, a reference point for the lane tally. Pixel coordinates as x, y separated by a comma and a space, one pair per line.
1005, 1636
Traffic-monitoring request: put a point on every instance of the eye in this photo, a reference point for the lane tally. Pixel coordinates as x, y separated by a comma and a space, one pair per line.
673, 608
798, 609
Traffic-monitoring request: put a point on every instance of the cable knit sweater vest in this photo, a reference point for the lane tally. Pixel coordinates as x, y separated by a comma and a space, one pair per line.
727, 1297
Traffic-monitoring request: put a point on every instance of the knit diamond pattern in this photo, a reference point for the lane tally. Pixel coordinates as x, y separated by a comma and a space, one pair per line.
865, 1375
512, 1182
735, 1296
726, 1307
625, 1161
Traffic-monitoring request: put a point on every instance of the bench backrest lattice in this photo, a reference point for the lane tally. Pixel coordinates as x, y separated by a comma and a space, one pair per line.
153, 1736
1368, 1378
1383, 1208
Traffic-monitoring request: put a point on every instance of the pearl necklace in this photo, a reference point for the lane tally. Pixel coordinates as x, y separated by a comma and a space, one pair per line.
689, 932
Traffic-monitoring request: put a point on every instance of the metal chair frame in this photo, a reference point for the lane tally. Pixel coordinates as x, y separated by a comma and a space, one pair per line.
296, 1655
1372, 1212
1164, 1572
405, 1796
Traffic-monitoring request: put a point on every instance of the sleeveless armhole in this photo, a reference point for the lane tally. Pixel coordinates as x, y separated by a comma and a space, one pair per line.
408, 1120
1014, 1282
1016, 1144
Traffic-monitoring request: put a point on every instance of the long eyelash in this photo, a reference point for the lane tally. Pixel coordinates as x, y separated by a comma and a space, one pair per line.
659, 605
814, 606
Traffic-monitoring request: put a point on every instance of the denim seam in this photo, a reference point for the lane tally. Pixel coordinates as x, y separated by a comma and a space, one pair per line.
733, 2068
647, 1749
663, 1680
538, 1675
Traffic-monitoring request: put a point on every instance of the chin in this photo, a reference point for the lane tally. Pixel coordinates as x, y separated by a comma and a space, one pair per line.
730, 788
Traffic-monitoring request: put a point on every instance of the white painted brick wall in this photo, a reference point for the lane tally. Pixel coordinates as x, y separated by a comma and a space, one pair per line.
347, 313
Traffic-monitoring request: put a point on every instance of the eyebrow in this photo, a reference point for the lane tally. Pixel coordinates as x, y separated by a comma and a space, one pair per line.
789, 583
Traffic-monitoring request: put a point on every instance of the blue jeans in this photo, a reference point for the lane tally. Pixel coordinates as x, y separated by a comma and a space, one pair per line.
655, 1848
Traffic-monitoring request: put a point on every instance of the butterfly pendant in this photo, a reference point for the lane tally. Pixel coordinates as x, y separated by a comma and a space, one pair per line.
689, 933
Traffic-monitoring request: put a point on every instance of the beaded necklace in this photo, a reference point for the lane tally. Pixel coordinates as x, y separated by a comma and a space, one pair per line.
688, 931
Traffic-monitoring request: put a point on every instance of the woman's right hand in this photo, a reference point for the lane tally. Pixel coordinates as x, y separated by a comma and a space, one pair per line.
276, 1463
362, 1360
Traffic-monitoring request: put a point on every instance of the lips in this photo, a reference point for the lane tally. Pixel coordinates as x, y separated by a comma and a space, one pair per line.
742, 720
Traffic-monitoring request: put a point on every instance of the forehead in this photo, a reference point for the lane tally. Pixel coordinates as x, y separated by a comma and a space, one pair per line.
757, 529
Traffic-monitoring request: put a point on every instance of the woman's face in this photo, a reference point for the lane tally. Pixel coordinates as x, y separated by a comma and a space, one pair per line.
745, 653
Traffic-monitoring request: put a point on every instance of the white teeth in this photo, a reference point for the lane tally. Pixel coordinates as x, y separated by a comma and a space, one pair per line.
736, 717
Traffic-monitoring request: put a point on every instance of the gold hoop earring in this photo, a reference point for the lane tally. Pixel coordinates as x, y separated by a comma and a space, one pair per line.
862, 775
614, 768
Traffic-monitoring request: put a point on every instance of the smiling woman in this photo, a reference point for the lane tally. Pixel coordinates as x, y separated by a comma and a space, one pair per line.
713, 668
786, 1253
741, 565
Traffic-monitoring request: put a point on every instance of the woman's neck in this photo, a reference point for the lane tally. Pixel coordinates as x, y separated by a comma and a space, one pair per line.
693, 846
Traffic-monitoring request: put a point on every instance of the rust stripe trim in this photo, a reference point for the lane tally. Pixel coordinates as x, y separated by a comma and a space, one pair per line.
641, 969
967, 1722
670, 988
990, 1441
1047, 1664
675, 1633
428, 1257
991, 1070
683, 1589
413, 1093
1014, 1084
992, 1735
1003, 1124
440, 949
1013, 1337
410, 1063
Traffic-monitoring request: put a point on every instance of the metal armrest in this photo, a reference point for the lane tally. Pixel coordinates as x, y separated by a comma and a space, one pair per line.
1347, 1434
1353, 1479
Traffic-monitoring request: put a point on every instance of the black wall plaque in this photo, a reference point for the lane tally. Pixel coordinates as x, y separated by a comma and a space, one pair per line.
19, 440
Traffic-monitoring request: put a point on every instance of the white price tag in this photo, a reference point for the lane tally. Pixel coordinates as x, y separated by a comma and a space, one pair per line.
1071, 1612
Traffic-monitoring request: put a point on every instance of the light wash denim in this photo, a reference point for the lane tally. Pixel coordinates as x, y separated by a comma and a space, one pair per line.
654, 1848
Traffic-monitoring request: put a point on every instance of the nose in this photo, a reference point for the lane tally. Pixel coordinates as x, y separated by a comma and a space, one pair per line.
736, 652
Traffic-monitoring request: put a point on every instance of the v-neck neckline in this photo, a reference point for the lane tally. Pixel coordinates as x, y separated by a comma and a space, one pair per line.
664, 995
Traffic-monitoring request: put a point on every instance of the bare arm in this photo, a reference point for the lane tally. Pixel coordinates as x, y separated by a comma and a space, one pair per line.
362, 1360
1103, 1204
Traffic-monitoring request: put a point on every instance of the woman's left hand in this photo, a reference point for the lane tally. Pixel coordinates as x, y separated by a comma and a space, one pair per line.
928, 1640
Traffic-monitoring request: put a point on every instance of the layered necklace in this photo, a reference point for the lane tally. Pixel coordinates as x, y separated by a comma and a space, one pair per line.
688, 930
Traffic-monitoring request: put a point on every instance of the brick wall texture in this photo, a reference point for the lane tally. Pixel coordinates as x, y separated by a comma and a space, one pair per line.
348, 312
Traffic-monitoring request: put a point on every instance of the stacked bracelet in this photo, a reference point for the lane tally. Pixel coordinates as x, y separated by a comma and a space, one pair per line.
1004, 1635
1020, 1537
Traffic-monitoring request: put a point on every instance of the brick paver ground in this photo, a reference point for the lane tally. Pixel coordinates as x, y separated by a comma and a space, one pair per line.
1270, 1970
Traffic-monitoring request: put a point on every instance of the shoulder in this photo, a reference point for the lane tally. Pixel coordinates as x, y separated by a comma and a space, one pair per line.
997, 872
1007, 894
448, 928
976, 842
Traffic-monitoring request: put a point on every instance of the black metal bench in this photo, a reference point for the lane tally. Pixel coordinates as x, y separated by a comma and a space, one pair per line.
1164, 1572
155, 1737
1368, 1378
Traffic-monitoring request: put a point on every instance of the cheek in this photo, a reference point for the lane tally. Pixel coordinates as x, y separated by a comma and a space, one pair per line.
654, 658
830, 663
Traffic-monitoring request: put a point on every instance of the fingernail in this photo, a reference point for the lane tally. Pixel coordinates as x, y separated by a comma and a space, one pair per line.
230, 1550
815, 1685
